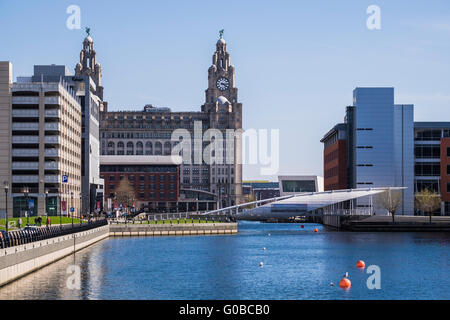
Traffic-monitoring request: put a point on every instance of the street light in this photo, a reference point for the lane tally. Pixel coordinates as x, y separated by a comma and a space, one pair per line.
6, 186
46, 206
26, 191
81, 200
71, 205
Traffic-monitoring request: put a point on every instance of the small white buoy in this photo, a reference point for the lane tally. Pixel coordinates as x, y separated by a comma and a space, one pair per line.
264, 248
332, 284
261, 264
346, 275
269, 234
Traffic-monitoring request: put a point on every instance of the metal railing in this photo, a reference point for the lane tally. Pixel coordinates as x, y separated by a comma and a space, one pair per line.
27, 235
171, 216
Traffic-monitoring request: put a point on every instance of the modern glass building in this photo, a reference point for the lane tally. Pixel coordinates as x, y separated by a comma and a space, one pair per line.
379, 148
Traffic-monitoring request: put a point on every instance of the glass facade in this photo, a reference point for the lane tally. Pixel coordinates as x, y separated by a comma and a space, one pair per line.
299, 186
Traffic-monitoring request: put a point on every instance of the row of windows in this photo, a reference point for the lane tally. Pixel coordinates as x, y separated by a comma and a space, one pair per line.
427, 151
332, 172
139, 168
431, 135
152, 195
432, 185
136, 135
151, 186
331, 156
151, 178
427, 169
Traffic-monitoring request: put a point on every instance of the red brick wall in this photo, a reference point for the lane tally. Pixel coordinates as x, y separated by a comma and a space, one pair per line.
445, 143
334, 166
147, 182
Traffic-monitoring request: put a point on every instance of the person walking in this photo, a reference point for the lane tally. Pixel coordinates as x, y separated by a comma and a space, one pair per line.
19, 222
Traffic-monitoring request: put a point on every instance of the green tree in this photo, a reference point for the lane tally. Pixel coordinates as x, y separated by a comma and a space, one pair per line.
427, 201
125, 193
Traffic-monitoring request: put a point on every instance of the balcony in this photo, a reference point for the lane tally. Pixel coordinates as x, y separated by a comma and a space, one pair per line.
52, 126
25, 139
52, 113
25, 152
25, 126
25, 178
52, 152
51, 165
18, 113
25, 165
53, 139
52, 178
25, 100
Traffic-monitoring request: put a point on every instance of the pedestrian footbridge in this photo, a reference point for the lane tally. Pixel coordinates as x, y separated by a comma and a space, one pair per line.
328, 203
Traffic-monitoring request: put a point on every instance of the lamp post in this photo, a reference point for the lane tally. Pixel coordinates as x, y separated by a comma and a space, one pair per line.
81, 200
26, 191
46, 207
6, 186
71, 205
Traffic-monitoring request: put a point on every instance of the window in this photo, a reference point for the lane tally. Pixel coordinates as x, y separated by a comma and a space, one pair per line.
448, 169
427, 151
427, 169
448, 151
432, 185
448, 187
112, 178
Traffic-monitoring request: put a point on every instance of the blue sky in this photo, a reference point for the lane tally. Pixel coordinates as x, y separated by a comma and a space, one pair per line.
296, 62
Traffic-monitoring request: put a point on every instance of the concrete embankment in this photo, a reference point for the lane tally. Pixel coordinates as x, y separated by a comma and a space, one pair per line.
181, 229
401, 223
19, 260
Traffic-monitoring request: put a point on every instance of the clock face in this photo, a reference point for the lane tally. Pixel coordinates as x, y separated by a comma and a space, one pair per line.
222, 84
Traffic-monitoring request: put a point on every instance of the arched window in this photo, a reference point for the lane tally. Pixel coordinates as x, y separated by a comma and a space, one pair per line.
130, 148
158, 148
111, 148
148, 148
167, 148
120, 148
139, 148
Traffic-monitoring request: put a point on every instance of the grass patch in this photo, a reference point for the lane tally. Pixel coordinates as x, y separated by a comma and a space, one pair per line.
31, 220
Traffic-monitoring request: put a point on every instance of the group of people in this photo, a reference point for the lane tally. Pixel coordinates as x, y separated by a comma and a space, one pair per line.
37, 221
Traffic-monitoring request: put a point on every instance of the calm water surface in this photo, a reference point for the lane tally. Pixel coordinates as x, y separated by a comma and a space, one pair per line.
298, 264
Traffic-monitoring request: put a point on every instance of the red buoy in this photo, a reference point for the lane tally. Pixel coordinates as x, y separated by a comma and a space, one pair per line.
302, 226
360, 264
345, 283
316, 230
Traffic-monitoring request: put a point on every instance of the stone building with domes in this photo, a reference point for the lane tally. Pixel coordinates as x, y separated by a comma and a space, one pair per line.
149, 132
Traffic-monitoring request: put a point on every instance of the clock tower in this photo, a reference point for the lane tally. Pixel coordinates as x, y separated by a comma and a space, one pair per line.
221, 79
224, 113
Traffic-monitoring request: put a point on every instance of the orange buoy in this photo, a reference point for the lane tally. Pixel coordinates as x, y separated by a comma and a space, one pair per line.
345, 283
360, 264
316, 230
